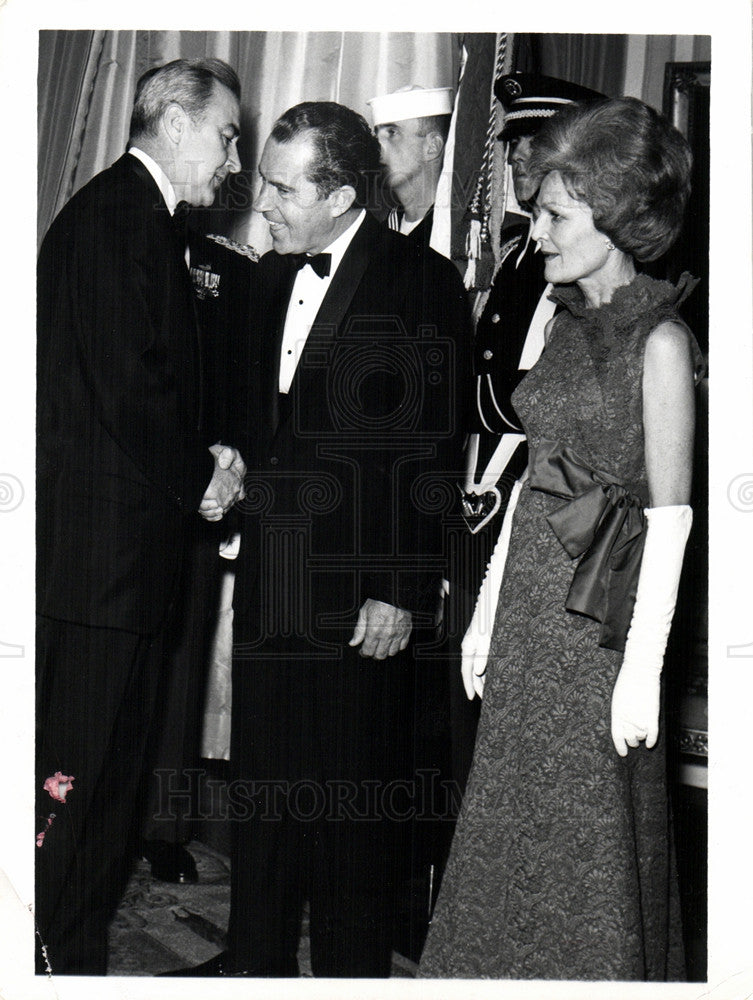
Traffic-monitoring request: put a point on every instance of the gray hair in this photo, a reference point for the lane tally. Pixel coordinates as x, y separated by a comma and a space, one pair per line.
189, 83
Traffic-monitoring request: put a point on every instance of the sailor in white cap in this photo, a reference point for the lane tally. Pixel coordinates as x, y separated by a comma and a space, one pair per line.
411, 125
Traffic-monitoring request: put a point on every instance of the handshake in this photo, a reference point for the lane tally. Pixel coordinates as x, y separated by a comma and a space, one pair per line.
226, 485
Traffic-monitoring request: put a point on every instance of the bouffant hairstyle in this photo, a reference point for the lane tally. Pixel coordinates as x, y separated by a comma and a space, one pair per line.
345, 149
627, 163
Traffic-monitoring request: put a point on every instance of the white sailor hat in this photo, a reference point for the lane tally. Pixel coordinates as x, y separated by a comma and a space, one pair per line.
412, 101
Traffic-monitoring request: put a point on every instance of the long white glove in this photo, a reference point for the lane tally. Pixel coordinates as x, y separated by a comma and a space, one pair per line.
636, 695
477, 640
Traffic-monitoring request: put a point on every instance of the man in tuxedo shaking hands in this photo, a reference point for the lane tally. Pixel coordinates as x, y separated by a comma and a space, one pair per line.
126, 470
356, 433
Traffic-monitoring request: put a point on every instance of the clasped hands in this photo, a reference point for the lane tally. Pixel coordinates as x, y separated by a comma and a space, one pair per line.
226, 484
382, 630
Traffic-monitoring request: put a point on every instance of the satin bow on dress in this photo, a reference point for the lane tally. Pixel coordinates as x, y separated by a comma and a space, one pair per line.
603, 525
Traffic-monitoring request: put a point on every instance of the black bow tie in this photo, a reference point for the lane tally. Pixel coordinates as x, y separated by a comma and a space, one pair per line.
319, 261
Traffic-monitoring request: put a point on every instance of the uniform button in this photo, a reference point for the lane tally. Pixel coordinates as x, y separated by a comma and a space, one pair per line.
274, 460
495, 318
488, 355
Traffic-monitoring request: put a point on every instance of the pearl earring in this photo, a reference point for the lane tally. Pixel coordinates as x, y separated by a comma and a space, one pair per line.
610, 245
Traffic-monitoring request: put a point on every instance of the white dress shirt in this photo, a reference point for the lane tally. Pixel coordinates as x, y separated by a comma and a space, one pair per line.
305, 299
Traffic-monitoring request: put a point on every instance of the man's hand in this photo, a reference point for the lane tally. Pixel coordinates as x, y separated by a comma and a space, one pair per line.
226, 485
382, 630
226, 457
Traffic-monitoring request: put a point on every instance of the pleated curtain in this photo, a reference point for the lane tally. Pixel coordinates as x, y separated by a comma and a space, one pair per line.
87, 80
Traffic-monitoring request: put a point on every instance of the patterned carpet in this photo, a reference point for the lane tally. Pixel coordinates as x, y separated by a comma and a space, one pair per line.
162, 926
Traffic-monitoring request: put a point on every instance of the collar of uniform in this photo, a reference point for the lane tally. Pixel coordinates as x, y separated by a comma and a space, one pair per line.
158, 175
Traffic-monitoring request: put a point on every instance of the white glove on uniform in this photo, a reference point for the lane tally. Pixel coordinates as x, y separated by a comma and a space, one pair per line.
636, 695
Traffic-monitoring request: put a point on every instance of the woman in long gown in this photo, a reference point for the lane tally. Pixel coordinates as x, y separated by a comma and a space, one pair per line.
561, 866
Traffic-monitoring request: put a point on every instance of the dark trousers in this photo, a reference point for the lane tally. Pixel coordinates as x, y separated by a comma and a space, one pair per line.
96, 694
170, 794
319, 759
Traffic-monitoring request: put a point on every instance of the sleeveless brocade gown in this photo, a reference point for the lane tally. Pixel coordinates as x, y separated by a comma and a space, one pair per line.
561, 865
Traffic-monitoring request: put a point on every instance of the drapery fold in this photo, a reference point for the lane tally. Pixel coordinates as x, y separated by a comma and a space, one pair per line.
63, 103
87, 81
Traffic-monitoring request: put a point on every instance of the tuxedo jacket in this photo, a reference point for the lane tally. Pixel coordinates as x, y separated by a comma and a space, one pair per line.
122, 434
351, 471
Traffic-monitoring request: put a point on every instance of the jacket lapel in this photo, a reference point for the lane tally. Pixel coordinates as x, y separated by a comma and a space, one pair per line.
279, 282
339, 296
348, 275
171, 247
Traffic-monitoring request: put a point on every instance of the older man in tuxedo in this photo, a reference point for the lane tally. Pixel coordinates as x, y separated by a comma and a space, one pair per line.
341, 562
127, 467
